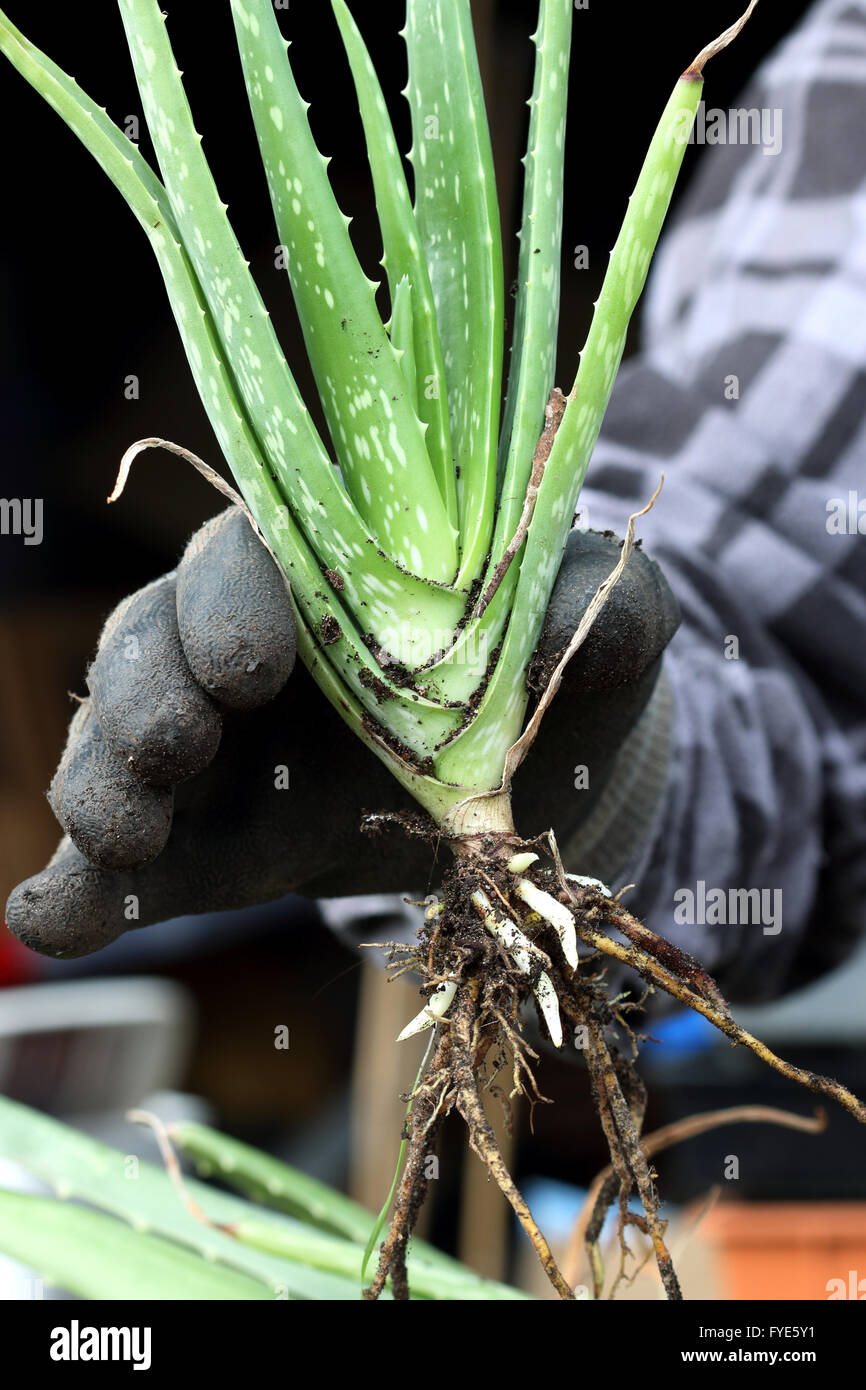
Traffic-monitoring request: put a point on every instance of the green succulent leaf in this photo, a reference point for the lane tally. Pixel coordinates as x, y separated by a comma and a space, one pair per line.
399, 608
427, 1280
267, 1180
403, 258
401, 329
457, 214
378, 437
343, 1225
533, 347
273, 1183
393, 601
536, 318
82, 1169
96, 1256
309, 1246
500, 714
438, 694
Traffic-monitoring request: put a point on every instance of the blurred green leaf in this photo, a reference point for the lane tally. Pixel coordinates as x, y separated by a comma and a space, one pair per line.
98, 1257
76, 1166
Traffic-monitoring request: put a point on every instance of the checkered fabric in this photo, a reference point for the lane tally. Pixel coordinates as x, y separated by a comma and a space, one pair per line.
762, 278
749, 392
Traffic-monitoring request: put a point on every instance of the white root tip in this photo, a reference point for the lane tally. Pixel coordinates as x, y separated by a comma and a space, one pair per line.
508, 934
583, 882
437, 1006
520, 948
553, 912
549, 1005
519, 863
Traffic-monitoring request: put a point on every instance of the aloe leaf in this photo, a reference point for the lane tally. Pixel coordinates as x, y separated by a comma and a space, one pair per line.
378, 437
336, 642
401, 332
426, 1280
270, 397
392, 602
394, 608
533, 348
536, 318
403, 256
96, 1256
78, 1167
343, 1225
146, 197
457, 214
270, 1181
482, 745
281, 1255
434, 795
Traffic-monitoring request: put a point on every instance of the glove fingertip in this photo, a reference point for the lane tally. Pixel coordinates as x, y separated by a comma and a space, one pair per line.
631, 631
115, 820
151, 711
65, 911
234, 614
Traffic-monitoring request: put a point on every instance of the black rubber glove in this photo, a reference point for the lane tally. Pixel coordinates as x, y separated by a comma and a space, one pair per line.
180, 795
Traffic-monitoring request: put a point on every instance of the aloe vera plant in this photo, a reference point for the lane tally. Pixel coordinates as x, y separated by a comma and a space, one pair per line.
431, 482
439, 534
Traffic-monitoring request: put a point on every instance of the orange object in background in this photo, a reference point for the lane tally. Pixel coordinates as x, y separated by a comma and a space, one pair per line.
788, 1250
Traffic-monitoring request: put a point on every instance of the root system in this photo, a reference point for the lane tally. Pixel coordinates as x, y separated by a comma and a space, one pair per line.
497, 956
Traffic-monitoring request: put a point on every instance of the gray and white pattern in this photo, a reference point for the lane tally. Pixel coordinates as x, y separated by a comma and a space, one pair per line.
762, 276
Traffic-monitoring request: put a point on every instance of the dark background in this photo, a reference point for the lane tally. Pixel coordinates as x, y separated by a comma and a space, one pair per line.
83, 306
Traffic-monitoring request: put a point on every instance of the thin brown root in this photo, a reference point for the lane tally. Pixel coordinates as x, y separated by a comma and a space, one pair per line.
629, 1147
518, 751
496, 969
620, 1183
657, 974
681, 963
483, 1140
172, 1167
423, 1124
587, 1227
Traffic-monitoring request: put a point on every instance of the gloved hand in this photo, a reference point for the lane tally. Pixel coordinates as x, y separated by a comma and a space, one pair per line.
198, 777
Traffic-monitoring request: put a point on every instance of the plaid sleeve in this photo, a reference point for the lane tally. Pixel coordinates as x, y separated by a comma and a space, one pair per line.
750, 394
